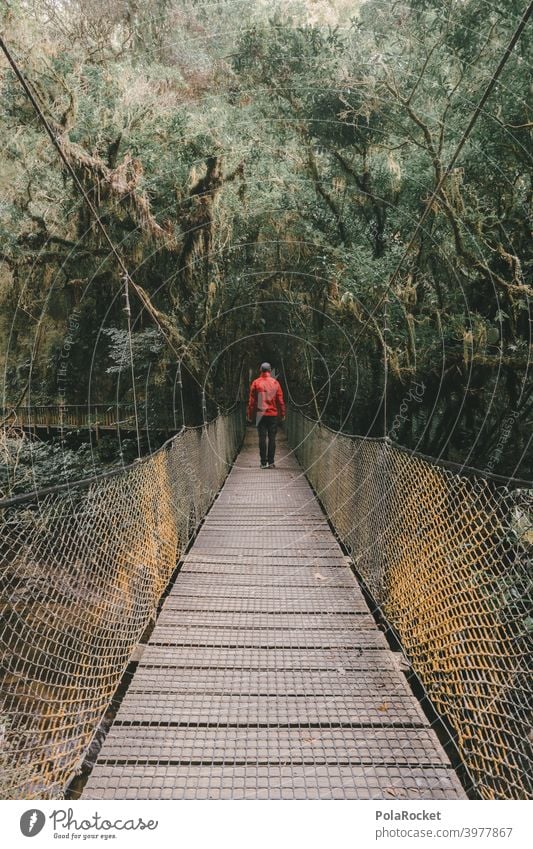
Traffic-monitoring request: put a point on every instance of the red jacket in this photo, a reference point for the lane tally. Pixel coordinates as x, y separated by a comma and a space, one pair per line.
266, 397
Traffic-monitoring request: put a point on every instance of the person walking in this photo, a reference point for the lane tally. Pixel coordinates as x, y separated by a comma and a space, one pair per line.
266, 402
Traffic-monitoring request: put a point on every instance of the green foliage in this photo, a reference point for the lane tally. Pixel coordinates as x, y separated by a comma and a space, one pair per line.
262, 170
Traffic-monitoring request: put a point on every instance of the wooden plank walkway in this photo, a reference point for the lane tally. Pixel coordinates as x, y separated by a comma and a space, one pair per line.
266, 676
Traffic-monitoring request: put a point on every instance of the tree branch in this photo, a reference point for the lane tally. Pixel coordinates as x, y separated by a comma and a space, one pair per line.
328, 198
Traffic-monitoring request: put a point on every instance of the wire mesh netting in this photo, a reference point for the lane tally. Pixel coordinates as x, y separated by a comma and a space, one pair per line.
83, 569
447, 557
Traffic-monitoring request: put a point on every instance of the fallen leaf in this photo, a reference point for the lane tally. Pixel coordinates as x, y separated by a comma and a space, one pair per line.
384, 707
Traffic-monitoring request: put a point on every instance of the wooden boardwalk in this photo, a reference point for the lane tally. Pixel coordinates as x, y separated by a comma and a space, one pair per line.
266, 676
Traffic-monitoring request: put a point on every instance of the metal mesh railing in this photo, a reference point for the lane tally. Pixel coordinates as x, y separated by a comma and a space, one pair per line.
446, 554
83, 569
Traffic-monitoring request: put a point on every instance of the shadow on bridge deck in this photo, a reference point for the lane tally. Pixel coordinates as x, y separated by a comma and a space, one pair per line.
266, 676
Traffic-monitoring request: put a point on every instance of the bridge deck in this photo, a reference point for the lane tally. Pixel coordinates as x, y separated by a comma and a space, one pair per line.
266, 676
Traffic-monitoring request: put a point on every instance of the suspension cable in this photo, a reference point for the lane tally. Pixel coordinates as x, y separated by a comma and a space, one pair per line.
383, 300
180, 388
79, 185
394, 276
141, 294
126, 276
385, 362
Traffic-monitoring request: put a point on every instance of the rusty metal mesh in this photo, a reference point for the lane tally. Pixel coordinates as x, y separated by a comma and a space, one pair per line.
447, 557
83, 569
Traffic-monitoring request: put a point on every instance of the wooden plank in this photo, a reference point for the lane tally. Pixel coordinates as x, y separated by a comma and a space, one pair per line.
267, 638
363, 707
278, 621
402, 746
377, 685
272, 782
272, 603
317, 577
262, 569
249, 658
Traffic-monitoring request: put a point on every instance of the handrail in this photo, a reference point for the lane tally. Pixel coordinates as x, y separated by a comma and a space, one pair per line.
80, 415
461, 468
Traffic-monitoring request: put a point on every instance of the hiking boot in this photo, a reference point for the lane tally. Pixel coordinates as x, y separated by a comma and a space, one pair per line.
271, 465
264, 466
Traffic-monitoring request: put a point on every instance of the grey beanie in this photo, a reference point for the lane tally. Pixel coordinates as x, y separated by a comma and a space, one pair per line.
265, 367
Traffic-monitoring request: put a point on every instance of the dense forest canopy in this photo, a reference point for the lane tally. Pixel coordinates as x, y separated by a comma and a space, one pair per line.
261, 168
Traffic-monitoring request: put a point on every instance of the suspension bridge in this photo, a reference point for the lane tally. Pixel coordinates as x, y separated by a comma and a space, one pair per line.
353, 624
258, 662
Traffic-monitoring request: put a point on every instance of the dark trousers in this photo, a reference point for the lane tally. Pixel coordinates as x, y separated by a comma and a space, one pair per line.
267, 427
